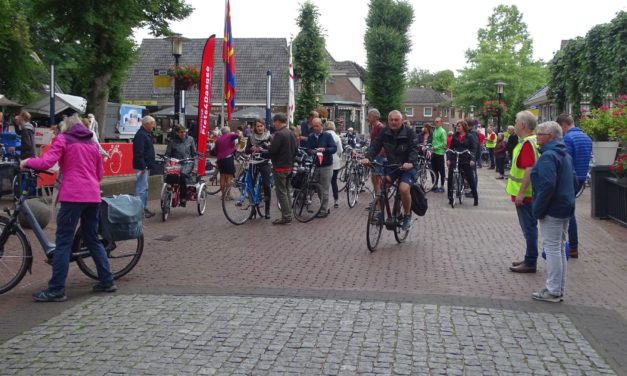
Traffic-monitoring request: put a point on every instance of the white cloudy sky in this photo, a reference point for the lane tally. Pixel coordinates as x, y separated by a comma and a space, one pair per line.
442, 31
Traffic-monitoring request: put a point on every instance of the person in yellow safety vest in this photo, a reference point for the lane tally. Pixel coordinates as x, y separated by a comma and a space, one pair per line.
519, 188
490, 144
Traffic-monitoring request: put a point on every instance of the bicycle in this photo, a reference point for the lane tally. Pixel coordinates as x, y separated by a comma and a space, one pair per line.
212, 174
243, 199
16, 256
425, 176
380, 213
586, 183
356, 181
458, 184
307, 195
171, 188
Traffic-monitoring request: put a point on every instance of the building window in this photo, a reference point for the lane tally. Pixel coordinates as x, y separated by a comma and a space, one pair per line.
428, 112
444, 112
409, 111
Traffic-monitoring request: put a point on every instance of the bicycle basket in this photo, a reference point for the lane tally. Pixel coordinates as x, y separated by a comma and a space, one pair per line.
172, 167
121, 217
299, 178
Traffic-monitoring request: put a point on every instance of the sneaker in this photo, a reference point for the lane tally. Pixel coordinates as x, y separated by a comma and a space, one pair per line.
545, 296
49, 296
377, 219
322, 214
406, 222
336, 205
101, 287
282, 221
148, 213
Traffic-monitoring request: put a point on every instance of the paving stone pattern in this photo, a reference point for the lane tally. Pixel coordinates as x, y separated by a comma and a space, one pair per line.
165, 334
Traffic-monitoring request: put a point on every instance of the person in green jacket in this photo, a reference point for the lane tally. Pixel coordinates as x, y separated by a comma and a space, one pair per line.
437, 157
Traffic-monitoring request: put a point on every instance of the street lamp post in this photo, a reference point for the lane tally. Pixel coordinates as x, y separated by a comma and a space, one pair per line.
499, 90
177, 51
472, 111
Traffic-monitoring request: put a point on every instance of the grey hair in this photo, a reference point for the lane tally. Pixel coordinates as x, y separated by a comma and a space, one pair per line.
528, 119
148, 119
374, 112
329, 126
397, 112
510, 127
225, 130
551, 127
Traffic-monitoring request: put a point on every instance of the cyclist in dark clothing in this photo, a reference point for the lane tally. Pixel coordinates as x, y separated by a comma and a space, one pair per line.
463, 140
182, 146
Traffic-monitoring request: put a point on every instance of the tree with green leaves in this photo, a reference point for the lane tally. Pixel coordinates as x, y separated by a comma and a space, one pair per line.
20, 76
503, 53
387, 44
441, 81
311, 66
104, 30
590, 66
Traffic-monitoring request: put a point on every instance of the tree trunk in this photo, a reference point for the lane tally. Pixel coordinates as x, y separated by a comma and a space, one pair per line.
98, 98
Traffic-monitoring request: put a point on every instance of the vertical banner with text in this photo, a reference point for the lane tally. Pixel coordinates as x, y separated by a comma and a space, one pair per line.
204, 100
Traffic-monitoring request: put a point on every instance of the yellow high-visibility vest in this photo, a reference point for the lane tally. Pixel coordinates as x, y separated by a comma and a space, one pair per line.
490, 144
516, 174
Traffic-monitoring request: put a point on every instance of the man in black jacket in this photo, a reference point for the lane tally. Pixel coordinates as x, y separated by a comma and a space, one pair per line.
398, 141
143, 160
26, 130
322, 142
282, 150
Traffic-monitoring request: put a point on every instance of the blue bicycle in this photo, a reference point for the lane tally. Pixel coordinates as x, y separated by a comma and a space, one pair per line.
244, 199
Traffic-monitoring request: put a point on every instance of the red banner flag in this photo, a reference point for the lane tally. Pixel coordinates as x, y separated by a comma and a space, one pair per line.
204, 100
228, 55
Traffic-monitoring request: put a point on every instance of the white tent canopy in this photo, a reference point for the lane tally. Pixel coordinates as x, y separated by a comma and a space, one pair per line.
62, 102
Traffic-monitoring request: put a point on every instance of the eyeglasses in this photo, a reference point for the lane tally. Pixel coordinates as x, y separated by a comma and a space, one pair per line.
543, 134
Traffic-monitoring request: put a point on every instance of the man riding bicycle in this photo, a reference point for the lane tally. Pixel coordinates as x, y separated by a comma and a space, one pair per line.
398, 141
182, 146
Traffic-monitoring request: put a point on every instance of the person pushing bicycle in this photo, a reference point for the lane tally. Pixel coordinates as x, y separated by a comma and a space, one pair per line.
398, 141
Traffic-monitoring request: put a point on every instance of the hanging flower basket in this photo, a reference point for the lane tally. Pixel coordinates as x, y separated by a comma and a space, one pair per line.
493, 108
185, 77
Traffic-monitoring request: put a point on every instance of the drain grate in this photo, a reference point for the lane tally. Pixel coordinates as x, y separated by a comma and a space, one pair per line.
166, 238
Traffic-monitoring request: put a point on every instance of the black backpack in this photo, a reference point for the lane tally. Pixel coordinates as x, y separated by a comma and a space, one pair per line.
419, 203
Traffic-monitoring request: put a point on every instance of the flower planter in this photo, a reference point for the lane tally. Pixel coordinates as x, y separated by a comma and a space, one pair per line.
617, 199
604, 152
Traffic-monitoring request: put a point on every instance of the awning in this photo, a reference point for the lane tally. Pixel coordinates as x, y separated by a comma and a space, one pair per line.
62, 103
168, 112
250, 113
6, 102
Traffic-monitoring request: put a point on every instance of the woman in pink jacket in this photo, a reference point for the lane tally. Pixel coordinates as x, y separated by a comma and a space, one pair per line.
79, 195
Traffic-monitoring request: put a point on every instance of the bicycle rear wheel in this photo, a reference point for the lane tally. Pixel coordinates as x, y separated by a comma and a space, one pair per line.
454, 191
123, 255
202, 199
15, 257
426, 179
342, 179
352, 189
375, 225
213, 183
307, 203
236, 205
582, 188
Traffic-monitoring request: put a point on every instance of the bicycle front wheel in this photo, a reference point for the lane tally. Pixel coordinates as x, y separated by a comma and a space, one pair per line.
375, 225
460, 188
580, 190
166, 202
15, 257
426, 179
307, 203
213, 182
202, 199
454, 190
352, 189
123, 255
397, 212
236, 205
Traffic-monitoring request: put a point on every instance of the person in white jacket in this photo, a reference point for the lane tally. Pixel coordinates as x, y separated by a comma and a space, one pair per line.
91, 123
337, 157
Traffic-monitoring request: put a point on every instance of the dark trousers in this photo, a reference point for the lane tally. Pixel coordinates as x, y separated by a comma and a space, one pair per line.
266, 171
529, 227
67, 219
500, 165
467, 172
437, 164
334, 188
491, 154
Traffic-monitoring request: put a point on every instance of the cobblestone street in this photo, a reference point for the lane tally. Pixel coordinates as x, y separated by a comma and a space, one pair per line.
209, 297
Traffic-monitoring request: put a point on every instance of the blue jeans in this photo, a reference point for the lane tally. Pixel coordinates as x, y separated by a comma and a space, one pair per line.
573, 237
67, 218
529, 227
553, 237
141, 186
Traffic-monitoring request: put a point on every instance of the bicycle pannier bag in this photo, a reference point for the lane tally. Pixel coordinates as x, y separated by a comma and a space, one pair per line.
298, 179
419, 203
121, 217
